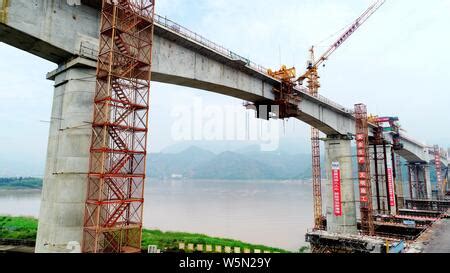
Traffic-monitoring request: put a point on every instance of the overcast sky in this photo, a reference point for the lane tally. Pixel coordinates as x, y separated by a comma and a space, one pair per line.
397, 63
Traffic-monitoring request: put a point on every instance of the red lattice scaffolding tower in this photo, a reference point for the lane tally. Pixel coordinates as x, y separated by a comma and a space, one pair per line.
115, 193
365, 186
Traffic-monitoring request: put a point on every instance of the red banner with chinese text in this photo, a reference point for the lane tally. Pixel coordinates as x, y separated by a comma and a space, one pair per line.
391, 187
336, 178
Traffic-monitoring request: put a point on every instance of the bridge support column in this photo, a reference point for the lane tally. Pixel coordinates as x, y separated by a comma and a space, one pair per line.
427, 176
339, 156
65, 181
383, 181
419, 181
399, 182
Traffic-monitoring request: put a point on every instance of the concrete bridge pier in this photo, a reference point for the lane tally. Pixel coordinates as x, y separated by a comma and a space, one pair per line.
339, 155
419, 180
64, 189
399, 182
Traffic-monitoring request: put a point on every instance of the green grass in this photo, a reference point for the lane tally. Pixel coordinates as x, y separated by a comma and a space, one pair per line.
171, 240
25, 228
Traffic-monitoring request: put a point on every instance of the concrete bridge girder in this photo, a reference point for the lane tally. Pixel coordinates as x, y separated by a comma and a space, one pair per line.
56, 31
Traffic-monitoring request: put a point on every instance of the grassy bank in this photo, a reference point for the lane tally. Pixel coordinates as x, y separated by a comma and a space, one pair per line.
170, 240
24, 228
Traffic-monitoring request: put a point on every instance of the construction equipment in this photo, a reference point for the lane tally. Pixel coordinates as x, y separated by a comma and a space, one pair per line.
286, 97
311, 74
388, 125
284, 74
313, 86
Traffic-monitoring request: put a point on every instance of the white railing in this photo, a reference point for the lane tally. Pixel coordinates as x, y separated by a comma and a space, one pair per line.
167, 23
325, 100
336, 105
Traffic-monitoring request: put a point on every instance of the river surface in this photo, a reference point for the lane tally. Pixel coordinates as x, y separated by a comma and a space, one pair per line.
273, 213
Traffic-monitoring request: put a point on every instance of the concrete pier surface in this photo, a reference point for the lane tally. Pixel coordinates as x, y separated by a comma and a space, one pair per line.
67, 162
338, 150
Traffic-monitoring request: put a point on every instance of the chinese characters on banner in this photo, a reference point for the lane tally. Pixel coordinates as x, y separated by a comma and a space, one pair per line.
391, 187
336, 178
362, 175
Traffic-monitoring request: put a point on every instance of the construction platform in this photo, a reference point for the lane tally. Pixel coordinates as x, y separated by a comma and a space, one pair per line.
395, 228
428, 205
325, 242
392, 234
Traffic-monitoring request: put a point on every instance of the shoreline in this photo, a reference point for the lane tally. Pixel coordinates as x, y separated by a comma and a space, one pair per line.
25, 228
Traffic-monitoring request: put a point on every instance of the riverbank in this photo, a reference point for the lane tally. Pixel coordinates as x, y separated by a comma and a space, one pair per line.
20, 183
25, 228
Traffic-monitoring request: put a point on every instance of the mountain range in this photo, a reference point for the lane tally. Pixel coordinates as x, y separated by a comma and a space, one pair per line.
243, 164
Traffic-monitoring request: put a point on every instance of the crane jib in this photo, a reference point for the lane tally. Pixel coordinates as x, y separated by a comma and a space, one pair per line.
358, 22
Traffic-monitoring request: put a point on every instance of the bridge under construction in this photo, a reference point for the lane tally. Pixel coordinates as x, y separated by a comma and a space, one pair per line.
95, 173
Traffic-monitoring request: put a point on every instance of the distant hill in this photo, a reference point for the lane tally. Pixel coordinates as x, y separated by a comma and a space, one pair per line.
284, 165
229, 165
286, 146
164, 165
246, 163
20, 183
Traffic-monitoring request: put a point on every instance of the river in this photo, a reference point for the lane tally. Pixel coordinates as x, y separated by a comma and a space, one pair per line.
273, 213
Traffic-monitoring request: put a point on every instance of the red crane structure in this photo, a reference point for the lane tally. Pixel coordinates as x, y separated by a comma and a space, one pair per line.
115, 190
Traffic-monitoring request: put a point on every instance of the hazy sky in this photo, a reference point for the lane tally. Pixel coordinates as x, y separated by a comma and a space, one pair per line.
397, 63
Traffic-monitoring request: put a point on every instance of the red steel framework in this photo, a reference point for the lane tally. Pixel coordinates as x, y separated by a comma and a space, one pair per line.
365, 187
115, 193
313, 86
317, 179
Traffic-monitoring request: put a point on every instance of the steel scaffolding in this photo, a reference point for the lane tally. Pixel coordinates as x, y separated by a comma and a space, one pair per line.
365, 187
313, 86
418, 180
115, 193
399, 179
